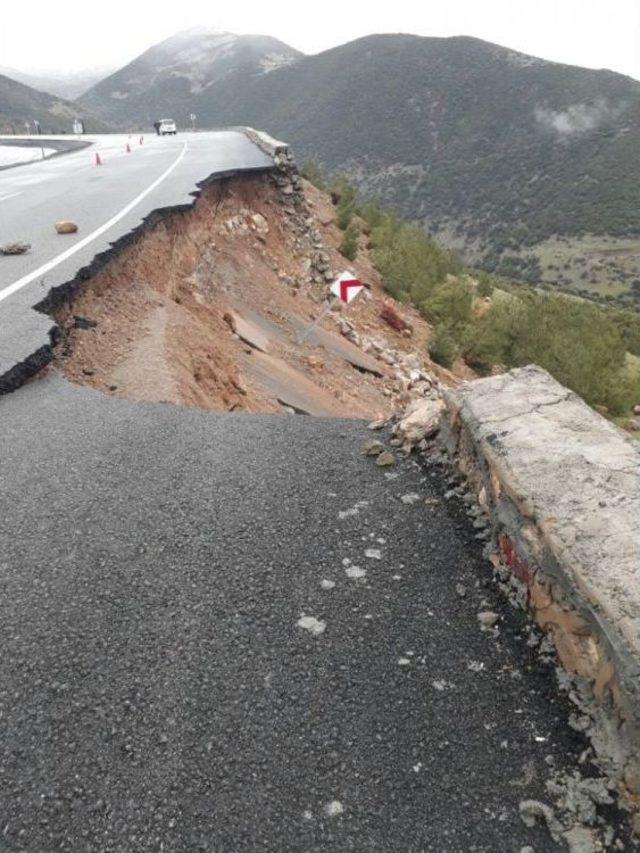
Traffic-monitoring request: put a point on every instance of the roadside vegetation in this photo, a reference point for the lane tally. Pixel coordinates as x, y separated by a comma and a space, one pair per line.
494, 322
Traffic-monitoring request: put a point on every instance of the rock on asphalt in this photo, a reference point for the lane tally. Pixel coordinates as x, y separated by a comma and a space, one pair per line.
187, 664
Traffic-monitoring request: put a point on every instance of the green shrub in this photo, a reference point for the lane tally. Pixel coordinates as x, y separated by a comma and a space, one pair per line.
344, 191
489, 340
579, 345
312, 172
410, 263
344, 216
372, 214
349, 245
577, 342
485, 283
442, 346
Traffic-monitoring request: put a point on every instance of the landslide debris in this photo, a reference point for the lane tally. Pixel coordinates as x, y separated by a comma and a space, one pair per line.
212, 307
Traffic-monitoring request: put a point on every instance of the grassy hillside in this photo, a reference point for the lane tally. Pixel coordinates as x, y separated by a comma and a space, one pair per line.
493, 323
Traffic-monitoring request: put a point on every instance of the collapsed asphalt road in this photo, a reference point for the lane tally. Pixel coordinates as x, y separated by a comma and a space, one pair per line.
157, 688
108, 203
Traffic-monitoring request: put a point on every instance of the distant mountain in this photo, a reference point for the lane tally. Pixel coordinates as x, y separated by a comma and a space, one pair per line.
170, 78
20, 104
65, 85
494, 149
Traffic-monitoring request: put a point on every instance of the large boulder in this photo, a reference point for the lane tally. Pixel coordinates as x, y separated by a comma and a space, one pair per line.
66, 226
421, 420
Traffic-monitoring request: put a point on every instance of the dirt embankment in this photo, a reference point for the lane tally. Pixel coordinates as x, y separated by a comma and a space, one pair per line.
209, 308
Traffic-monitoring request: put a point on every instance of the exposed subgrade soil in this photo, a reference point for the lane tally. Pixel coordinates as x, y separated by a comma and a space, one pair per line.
209, 308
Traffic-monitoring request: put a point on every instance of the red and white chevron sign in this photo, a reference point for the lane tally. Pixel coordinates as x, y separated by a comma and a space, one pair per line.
346, 287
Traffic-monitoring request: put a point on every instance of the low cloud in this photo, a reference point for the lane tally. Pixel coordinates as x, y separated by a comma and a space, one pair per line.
578, 118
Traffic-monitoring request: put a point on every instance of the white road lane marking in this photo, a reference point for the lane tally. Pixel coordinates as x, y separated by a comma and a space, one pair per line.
45, 268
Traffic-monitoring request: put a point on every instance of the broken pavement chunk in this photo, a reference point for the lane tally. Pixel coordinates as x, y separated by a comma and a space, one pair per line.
83, 322
247, 331
14, 248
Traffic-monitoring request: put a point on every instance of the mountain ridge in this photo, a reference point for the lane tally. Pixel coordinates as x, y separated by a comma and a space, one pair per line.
20, 104
67, 85
173, 72
503, 155
498, 153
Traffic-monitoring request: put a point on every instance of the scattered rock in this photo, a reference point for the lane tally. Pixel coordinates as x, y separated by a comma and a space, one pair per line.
410, 499
334, 808
15, 248
66, 226
260, 223
373, 553
327, 584
375, 425
88, 371
579, 796
581, 839
312, 625
373, 448
530, 810
487, 618
385, 459
461, 590
355, 572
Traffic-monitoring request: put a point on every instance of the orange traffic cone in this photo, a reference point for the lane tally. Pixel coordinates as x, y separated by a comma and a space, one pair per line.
98, 160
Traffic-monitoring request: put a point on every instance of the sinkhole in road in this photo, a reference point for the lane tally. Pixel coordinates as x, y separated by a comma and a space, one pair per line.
204, 307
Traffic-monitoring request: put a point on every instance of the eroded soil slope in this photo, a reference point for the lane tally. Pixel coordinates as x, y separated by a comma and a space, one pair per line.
210, 307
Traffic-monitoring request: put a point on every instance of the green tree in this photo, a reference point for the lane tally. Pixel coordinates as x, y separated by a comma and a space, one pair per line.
450, 303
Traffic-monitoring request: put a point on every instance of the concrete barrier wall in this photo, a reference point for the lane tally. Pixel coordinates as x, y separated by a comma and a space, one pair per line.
270, 146
562, 487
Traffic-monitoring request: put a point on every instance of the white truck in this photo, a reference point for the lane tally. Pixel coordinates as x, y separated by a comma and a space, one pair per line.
167, 126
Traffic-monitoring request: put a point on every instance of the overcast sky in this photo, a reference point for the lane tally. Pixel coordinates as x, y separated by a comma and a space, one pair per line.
41, 34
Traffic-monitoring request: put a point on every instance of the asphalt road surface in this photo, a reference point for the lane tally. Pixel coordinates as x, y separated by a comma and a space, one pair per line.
157, 689
105, 201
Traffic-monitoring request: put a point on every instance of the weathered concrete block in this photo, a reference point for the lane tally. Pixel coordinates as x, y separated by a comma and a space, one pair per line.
563, 487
